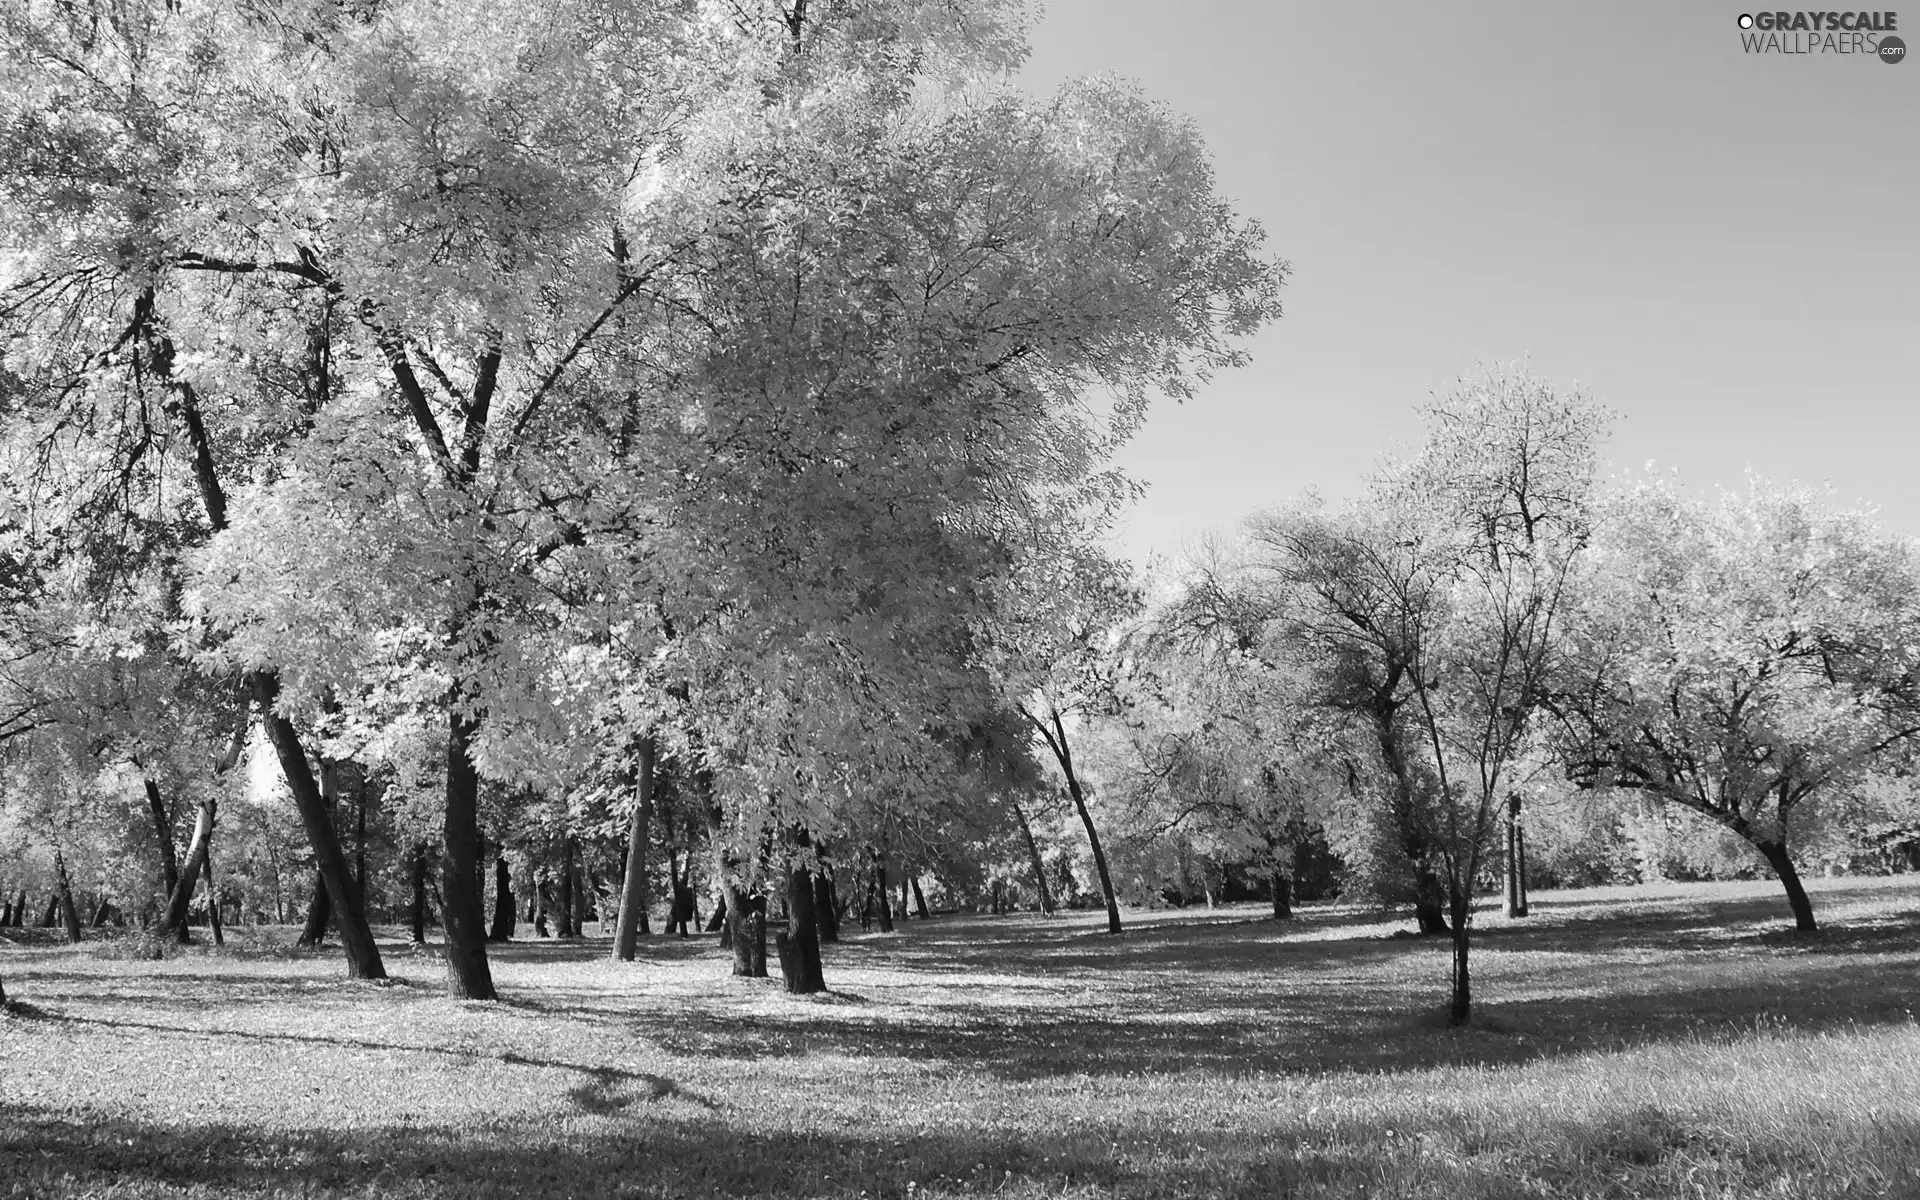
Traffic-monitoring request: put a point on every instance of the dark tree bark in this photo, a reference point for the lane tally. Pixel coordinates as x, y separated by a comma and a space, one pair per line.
163, 833
1516, 860
1429, 899
633, 885
6, 910
1033, 855
20, 910
799, 943
468, 975
1282, 896
173, 922
826, 922
343, 895
920, 900
319, 914
52, 915
1782, 864
102, 913
717, 921
1460, 1009
418, 869
213, 898
502, 930
885, 895
569, 928
69, 915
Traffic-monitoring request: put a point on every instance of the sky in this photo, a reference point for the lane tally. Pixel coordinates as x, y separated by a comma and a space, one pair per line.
1720, 247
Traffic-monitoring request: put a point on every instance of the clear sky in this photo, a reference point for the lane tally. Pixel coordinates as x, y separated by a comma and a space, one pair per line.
1723, 248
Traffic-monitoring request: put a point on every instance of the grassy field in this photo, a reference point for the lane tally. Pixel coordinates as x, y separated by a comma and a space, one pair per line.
1663, 1042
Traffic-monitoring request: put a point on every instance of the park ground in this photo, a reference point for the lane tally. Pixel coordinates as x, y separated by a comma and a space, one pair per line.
1671, 1041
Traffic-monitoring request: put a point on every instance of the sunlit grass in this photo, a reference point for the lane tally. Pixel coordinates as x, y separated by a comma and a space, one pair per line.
1660, 1042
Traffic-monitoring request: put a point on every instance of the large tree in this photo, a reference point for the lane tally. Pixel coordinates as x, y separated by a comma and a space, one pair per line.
1741, 657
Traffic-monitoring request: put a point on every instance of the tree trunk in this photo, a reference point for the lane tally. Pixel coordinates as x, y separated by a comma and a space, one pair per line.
6, 910
163, 832
886, 900
20, 909
1065, 757
920, 900
213, 896
1282, 895
174, 921
1460, 1010
1429, 900
102, 913
1516, 860
1782, 864
319, 914
799, 943
564, 901
717, 921
633, 886
69, 915
1039, 867
468, 975
825, 920
502, 930
419, 913
349, 915
52, 915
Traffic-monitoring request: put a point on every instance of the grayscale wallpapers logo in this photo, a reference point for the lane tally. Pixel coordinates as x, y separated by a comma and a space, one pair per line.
1868, 34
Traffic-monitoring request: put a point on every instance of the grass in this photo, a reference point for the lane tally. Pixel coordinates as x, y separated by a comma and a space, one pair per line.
1668, 1042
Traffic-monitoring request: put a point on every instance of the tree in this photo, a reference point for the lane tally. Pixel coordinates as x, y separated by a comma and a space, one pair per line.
1430, 618
1741, 658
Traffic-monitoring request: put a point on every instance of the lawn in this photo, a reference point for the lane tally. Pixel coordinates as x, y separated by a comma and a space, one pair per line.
1672, 1041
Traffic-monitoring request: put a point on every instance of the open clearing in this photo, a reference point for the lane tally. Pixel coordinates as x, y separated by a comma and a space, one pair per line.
1670, 1041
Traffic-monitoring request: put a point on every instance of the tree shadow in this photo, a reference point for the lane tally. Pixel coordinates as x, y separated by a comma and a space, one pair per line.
89, 1153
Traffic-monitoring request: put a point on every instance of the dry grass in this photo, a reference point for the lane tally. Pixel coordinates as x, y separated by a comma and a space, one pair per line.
1672, 1042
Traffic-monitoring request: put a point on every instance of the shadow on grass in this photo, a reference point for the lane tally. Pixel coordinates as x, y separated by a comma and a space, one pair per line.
72, 1154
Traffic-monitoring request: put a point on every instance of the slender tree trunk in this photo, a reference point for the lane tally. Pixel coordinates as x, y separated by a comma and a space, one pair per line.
886, 899
319, 914
468, 975
102, 913
1782, 864
163, 832
920, 900
64, 894
174, 921
1282, 895
718, 920
1033, 856
799, 943
6, 910
213, 897
633, 886
52, 915
569, 928
1058, 743
1516, 860
418, 866
20, 910
1460, 1011
349, 914
502, 930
